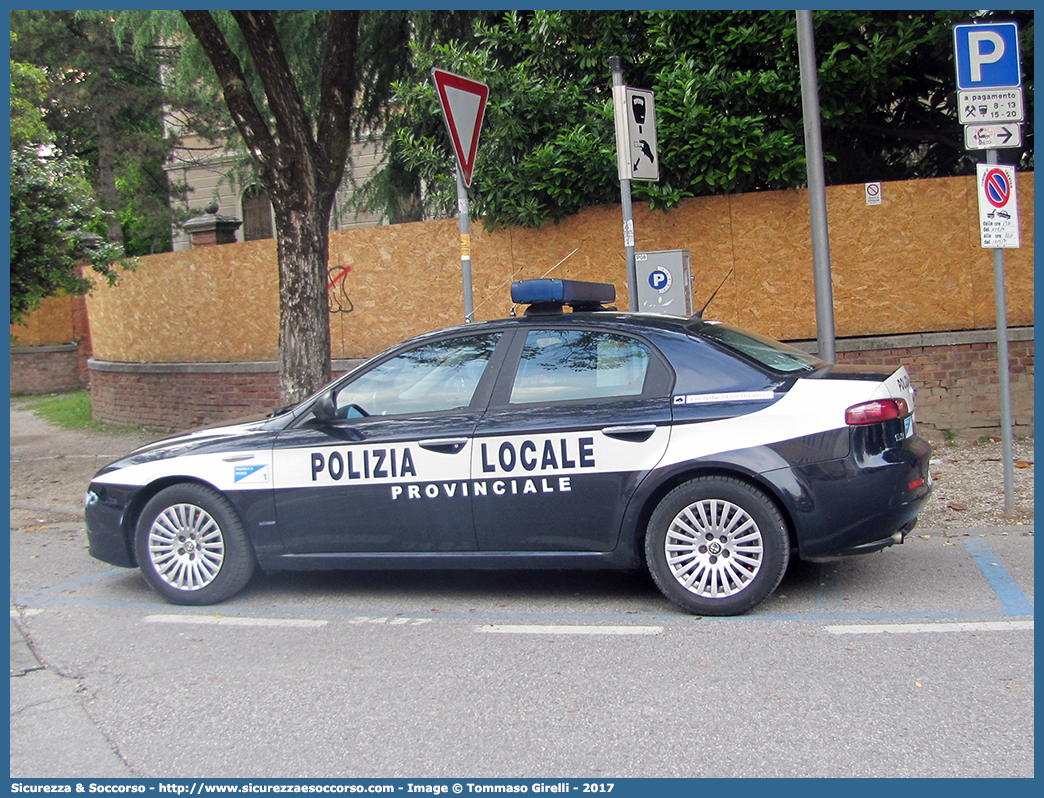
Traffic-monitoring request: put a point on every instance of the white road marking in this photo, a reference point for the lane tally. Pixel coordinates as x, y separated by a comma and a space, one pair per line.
220, 620
569, 630
921, 628
398, 620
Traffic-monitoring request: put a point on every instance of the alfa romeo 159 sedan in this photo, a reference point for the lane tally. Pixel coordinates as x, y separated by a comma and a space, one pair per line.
571, 437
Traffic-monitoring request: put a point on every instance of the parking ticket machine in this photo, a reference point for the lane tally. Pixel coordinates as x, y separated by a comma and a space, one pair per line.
664, 282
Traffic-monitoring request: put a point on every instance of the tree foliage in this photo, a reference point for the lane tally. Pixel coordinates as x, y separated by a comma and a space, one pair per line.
28, 90
54, 218
728, 104
105, 106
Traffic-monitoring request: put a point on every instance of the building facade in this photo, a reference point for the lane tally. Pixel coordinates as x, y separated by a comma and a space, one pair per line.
222, 182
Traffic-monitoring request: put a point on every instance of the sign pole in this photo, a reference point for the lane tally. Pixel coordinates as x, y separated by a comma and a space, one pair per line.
1000, 296
989, 97
463, 103
616, 65
817, 207
465, 247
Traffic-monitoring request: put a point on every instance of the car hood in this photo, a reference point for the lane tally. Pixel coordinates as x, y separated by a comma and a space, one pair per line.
236, 435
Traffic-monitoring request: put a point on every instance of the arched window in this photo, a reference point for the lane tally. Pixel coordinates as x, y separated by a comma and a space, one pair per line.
257, 214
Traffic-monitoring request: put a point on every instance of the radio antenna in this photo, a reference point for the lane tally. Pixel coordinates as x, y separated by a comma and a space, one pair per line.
567, 257
520, 268
699, 313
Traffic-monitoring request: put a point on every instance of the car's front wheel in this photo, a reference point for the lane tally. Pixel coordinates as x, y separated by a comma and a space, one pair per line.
716, 546
191, 546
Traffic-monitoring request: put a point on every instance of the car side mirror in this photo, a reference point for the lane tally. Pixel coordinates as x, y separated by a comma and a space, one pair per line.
324, 409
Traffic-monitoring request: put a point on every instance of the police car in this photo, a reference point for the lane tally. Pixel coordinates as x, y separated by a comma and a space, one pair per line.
574, 436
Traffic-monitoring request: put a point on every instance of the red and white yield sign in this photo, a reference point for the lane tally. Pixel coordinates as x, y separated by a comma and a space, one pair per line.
463, 103
998, 210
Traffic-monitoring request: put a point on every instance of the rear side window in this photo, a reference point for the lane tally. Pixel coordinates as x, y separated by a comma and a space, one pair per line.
766, 351
565, 365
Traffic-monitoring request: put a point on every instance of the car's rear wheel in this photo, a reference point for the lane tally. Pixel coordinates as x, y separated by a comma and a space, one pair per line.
191, 546
716, 546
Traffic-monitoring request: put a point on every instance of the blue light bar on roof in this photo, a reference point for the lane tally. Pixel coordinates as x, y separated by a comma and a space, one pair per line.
565, 292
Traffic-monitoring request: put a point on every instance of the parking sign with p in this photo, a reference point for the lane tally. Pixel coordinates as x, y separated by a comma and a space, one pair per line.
987, 56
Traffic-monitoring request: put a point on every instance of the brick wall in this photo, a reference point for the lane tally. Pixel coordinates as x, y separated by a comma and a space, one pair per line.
955, 375
40, 344
179, 396
45, 369
957, 380
175, 398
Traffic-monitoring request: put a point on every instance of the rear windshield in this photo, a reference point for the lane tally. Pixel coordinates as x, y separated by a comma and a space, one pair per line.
766, 351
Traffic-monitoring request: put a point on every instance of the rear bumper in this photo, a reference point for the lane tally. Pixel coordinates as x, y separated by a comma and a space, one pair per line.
860, 503
866, 548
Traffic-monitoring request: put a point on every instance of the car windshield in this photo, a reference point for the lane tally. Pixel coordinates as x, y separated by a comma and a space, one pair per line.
766, 351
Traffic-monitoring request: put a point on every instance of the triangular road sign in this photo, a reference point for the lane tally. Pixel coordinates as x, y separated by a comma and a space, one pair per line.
463, 103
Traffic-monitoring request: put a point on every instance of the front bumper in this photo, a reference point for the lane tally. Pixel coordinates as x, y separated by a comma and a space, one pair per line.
104, 512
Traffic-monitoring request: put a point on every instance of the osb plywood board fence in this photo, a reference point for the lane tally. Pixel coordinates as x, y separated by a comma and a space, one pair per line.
49, 325
910, 264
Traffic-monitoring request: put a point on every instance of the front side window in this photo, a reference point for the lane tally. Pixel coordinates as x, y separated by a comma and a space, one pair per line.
564, 365
441, 375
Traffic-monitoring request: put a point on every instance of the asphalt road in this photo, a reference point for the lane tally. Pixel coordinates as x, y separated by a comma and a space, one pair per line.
917, 661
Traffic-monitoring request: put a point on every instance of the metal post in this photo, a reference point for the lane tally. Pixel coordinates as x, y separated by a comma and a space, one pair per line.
1004, 376
465, 247
616, 65
816, 188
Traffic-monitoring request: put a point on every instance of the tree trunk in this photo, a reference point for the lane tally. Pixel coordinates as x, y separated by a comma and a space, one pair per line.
104, 130
304, 323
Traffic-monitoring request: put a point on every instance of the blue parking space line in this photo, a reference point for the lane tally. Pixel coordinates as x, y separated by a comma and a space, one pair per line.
1014, 602
823, 587
29, 600
1007, 589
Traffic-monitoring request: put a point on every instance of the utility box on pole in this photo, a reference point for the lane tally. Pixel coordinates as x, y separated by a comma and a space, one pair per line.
664, 282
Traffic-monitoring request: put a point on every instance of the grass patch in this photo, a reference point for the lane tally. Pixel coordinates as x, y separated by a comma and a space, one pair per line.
72, 411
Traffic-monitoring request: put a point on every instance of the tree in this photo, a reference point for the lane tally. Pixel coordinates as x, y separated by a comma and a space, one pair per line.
295, 122
300, 166
54, 218
727, 88
296, 107
105, 106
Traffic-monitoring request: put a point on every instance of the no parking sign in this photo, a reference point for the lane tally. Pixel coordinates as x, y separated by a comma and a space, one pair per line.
998, 209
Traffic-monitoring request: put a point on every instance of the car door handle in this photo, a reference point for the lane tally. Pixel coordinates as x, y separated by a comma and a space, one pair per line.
635, 434
444, 445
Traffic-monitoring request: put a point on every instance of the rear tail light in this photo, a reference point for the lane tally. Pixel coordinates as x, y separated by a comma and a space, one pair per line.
876, 411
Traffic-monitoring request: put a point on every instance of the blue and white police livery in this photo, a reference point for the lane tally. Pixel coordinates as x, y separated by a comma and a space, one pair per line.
582, 439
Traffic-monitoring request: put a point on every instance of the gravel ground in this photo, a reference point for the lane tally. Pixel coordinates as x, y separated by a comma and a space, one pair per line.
969, 486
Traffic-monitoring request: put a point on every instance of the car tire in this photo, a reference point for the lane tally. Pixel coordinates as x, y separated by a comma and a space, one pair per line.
716, 546
191, 546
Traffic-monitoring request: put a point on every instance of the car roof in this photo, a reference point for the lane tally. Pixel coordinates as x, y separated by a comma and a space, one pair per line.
546, 301
636, 322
